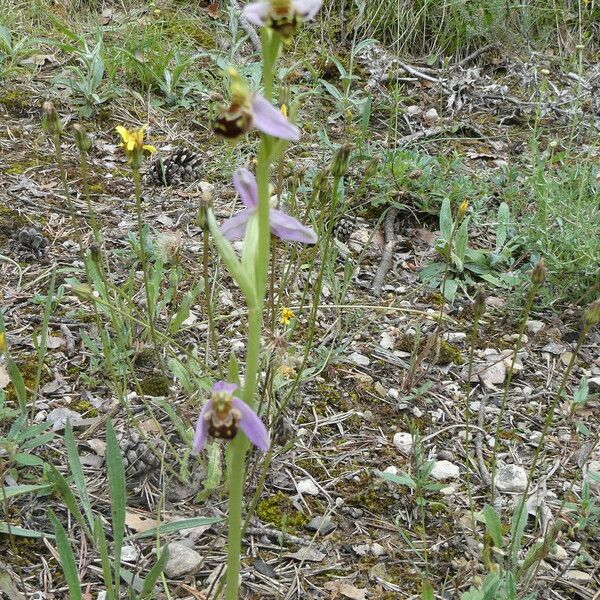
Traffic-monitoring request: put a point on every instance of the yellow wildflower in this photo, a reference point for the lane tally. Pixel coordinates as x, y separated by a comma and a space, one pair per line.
2, 342
287, 314
133, 142
463, 208
287, 372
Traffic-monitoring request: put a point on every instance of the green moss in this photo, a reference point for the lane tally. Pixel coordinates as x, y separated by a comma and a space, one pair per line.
18, 168
155, 385
10, 221
85, 408
28, 369
17, 102
280, 512
447, 352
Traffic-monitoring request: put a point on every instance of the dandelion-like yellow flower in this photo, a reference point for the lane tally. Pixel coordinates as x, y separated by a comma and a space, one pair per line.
2, 342
463, 208
133, 142
287, 314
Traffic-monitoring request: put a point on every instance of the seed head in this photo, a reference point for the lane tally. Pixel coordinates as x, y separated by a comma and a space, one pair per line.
538, 275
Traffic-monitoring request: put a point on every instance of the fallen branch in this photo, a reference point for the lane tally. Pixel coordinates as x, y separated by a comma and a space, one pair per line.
388, 251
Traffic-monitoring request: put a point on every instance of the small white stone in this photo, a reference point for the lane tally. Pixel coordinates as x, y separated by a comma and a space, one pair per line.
511, 478
377, 549
455, 337
302, 432
444, 469
307, 486
129, 554
380, 389
182, 561
449, 490
595, 467
431, 117
404, 442
594, 384
534, 326
559, 553
393, 393
392, 470
359, 359
417, 412
387, 341
576, 576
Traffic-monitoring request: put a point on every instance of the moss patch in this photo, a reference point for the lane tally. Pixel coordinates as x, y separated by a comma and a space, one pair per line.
155, 385
280, 512
10, 221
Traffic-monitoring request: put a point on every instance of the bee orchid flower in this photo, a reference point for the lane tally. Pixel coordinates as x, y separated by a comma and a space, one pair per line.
282, 225
249, 109
224, 414
282, 16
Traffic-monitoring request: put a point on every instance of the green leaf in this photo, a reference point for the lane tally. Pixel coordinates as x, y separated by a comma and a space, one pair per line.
427, 591
102, 546
250, 247
175, 526
28, 460
461, 241
446, 219
399, 479
67, 558
502, 227
21, 532
230, 259
17, 380
493, 525
75, 465
117, 491
18, 490
154, 574
449, 289
52, 474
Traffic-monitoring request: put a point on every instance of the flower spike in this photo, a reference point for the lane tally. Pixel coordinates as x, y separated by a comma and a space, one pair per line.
249, 109
223, 414
282, 16
283, 225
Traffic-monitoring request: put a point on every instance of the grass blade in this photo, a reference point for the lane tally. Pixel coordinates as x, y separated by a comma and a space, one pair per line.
75, 465
69, 566
116, 488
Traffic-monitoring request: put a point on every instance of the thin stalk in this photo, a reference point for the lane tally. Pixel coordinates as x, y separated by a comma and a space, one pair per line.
137, 180
85, 178
530, 297
212, 332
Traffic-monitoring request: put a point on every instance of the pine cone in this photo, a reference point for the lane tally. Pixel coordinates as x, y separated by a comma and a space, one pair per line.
344, 228
138, 459
30, 244
180, 166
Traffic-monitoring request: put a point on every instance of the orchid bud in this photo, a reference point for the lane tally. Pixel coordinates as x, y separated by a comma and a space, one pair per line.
538, 275
50, 119
479, 304
340, 160
591, 316
82, 139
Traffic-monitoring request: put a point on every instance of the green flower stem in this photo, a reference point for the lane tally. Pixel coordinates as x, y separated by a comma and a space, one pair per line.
528, 306
137, 180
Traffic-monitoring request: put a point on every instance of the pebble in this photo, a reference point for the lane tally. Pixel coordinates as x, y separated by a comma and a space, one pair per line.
307, 486
417, 412
431, 117
359, 359
492, 374
559, 553
387, 341
391, 470
444, 469
404, 442
182, 561
445, 455
377, 549
393, 393
323, 525
534, 326
511, 478
129, 554
454, 337
578, 576
380, 389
